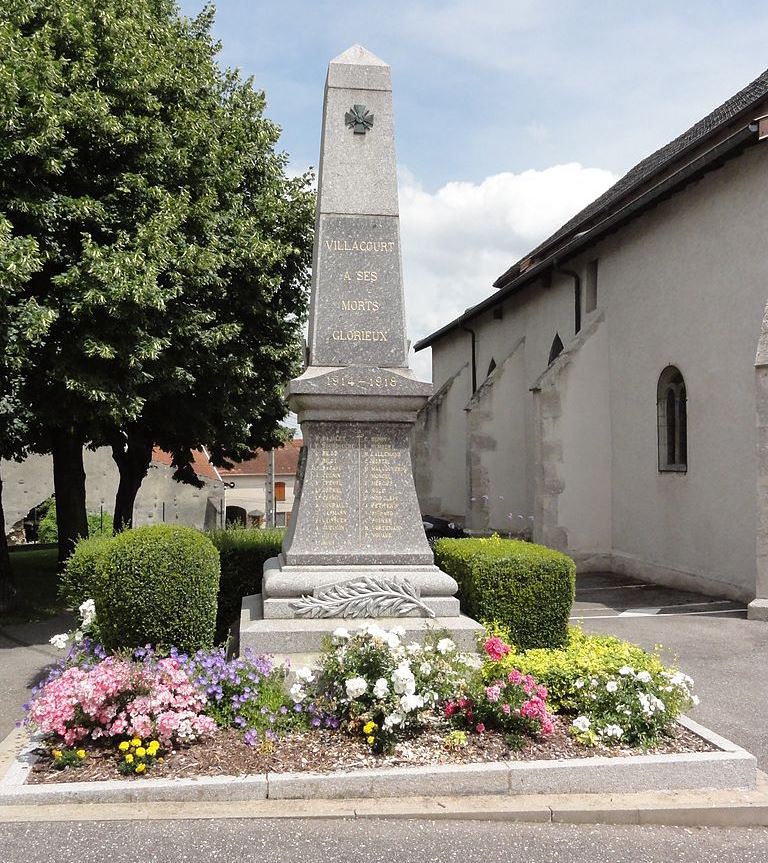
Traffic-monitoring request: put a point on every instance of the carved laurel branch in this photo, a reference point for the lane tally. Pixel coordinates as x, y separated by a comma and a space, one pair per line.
370, 596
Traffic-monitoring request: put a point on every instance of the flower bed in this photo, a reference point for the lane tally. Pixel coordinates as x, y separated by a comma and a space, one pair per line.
373, 701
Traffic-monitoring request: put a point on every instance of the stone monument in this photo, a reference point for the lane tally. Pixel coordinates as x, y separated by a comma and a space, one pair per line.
355, 547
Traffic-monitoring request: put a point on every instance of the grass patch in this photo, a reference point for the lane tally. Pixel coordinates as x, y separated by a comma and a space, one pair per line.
37, 581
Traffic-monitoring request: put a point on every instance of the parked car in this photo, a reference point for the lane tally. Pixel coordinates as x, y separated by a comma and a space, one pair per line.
436, 527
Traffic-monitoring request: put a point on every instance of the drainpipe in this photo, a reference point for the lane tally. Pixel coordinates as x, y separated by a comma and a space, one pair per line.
576, 293
474, 359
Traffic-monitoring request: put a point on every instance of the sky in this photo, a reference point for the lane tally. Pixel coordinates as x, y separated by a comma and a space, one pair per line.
510, 115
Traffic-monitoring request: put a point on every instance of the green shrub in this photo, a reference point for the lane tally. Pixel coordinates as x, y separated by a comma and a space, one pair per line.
582, 657
615, 692
84, 570
159, 586
47, 530
243, 552
527, 588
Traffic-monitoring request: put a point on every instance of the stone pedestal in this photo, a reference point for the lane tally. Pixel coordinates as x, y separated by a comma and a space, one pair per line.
355, 547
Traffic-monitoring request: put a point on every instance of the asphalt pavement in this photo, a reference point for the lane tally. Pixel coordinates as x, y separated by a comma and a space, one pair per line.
373, 841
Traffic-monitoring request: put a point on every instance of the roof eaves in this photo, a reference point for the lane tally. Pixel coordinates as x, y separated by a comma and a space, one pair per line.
701, 164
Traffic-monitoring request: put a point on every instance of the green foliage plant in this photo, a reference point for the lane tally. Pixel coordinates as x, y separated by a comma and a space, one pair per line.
243, 552
83, 575
159, 587
527, 588
47, 531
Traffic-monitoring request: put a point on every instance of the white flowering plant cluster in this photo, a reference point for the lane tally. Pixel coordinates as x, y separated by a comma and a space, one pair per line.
87, 628
631, 707
382, 688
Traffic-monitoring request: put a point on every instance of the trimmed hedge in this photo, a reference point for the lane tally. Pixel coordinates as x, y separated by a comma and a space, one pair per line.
158, 586
84, 570
527, 588
243, 552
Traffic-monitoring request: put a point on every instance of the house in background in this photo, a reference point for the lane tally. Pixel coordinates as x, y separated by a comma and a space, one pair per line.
160, 499
608, 389
246, 487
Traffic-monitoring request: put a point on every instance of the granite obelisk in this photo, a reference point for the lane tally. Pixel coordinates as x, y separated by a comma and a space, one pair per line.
355, 546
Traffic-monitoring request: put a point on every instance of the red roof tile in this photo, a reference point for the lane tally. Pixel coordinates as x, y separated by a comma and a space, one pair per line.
286, 461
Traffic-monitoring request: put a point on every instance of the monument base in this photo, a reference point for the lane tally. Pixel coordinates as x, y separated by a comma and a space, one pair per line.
303, 636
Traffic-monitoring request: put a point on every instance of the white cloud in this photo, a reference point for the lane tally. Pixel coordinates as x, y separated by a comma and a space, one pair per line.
459, 239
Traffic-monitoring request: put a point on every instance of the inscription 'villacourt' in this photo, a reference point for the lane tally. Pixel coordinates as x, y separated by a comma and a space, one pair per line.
360, 245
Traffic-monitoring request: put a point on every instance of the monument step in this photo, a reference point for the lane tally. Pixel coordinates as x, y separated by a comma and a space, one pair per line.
302, 636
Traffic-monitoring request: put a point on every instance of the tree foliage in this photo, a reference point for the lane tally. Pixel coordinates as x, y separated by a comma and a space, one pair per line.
172, 250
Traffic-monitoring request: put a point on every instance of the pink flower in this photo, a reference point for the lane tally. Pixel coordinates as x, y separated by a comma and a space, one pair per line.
515, 677
506, 709
480, 728
492, 693
496, 648
449, 709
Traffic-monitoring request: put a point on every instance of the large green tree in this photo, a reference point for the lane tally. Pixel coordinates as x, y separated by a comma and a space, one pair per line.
174, 250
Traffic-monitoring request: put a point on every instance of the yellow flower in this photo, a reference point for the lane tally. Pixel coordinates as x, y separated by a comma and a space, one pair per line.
135, 742
155, 743
369, 727
153, 747
80, 754
56, 753
140, 768
129, 758
371, 741
123, 747
141, 752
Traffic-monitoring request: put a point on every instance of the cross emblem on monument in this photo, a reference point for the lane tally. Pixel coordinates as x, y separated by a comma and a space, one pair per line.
359, 119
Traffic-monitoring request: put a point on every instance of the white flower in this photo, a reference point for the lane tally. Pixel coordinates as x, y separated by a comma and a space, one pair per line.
297, 693
78, 635
644, 677
413, 648
60, 641
611, 686
694, 700
376, 632
411, 702
393, 641
581, 723
341, 634
380, 688
445, 645
356, 686
681, 680
305, 674
399, 631
471, 660
626, 670
612, 731
403, 681
579, 683
393, 719
425, 668
593, 681
87, 612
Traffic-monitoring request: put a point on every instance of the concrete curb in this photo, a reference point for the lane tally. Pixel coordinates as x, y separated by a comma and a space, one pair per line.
508, 783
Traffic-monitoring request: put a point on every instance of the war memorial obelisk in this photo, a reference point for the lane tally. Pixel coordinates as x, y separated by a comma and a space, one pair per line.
355, 547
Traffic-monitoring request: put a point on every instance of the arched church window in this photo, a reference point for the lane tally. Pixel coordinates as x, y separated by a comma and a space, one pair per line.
556, 349
672, 414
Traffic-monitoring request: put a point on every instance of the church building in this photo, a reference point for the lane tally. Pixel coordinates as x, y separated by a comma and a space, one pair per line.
610, 397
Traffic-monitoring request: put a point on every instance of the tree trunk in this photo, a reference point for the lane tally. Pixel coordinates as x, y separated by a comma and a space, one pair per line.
69, 488
132, 453
8, 592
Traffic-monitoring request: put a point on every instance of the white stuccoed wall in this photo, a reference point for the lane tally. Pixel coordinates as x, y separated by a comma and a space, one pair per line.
684, 284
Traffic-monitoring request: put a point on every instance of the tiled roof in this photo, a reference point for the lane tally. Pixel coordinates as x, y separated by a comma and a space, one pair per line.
202, 466
286, 462
646, 170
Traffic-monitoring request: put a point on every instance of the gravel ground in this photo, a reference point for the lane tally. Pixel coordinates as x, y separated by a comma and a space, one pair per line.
323, 751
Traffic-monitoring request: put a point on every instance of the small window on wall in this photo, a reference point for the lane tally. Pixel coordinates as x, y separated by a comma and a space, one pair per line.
280, 519
672, 413
591, 297
556, 349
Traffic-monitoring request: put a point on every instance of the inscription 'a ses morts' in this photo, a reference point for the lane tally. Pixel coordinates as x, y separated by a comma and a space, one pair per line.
358, 311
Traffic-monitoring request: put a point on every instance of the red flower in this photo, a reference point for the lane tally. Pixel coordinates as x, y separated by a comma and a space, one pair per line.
480, 728
449, 709
496, 648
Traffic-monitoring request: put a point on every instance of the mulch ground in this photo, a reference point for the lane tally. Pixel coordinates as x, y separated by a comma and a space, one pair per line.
322, 751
